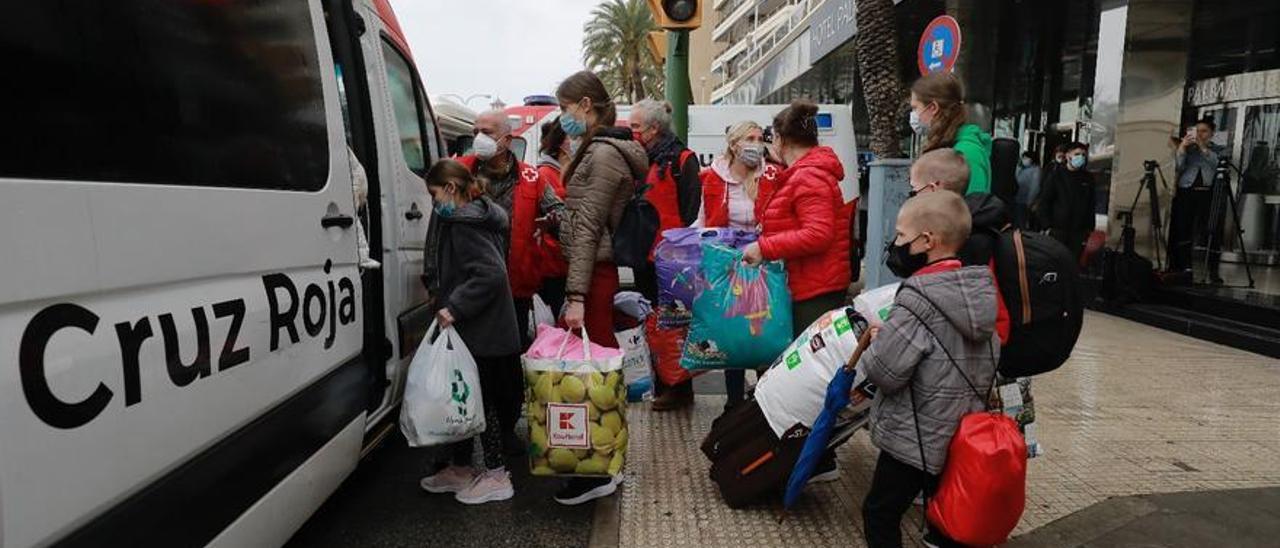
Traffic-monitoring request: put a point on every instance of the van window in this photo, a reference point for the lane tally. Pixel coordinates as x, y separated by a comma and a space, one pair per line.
144, 91
404, 102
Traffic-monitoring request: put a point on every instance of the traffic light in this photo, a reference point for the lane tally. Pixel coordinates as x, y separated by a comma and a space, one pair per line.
677, 14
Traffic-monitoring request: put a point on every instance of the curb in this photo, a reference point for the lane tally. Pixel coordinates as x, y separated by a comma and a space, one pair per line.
606, 522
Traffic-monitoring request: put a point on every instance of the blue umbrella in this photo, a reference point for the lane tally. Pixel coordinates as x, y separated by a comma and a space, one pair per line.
816, 445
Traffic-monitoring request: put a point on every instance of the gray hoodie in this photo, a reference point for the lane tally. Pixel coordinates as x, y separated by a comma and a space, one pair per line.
473, 281
960, 307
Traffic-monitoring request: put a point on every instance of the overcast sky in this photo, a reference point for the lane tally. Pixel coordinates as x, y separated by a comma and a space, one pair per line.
511, 48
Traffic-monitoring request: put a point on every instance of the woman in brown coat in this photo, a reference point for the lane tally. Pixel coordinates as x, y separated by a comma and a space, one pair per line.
598, 183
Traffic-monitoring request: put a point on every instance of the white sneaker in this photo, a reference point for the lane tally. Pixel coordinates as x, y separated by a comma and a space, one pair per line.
451, 479
489, 486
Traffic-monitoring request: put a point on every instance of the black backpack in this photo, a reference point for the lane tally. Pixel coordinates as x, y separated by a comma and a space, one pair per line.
1039, 280
637, 230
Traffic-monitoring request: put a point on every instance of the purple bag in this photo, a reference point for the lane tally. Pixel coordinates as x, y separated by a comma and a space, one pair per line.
678, 260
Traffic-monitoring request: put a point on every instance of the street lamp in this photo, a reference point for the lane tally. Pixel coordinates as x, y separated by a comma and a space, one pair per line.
467, 101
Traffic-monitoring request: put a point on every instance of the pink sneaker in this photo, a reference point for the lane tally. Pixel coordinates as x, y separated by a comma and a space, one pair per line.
489, 486
451, 479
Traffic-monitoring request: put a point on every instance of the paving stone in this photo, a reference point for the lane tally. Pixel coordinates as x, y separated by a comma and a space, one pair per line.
1136, 411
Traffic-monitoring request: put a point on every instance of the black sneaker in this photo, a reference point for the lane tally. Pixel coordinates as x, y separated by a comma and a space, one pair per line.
579, 490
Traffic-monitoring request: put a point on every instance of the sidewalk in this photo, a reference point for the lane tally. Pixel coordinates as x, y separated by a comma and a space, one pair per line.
1136, 411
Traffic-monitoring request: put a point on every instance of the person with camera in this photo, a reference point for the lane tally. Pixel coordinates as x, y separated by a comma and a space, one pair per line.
1197, 161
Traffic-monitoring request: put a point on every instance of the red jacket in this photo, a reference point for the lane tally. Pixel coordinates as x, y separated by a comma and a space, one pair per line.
551, 257
715, 194
664, 194
805, 222
523, 261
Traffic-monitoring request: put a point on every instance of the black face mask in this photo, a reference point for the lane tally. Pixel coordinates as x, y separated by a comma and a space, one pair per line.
901, 261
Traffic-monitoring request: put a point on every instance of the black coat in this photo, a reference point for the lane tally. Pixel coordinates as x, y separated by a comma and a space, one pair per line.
1066, 203
473, 281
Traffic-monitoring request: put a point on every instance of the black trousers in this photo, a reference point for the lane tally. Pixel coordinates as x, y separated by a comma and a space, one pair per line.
511, 382
552, 293
894, 486
491, 376
1189, 226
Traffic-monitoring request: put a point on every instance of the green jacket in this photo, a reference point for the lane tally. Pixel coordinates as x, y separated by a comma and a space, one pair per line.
975, 145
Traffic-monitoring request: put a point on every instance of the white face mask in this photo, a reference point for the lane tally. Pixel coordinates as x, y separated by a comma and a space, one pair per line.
751, 155
484, 147
917, 125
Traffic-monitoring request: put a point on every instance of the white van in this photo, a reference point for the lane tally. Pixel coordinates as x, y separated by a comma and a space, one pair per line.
199, 361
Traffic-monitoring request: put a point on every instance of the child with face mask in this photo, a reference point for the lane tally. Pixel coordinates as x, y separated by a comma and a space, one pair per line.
938, 340
468, 279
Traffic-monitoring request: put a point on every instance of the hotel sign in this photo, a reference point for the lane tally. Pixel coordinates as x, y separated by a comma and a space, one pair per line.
1236, 87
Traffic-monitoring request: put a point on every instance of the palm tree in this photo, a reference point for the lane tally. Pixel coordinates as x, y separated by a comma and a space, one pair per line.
614, 47
877, 52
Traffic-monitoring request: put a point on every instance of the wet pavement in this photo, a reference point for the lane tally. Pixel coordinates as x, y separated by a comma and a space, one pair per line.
1136, 411
381, 505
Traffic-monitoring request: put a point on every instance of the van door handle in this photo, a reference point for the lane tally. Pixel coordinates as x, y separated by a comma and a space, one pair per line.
414, 213
339, 220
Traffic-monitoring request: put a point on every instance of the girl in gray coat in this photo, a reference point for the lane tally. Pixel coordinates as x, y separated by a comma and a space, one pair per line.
943, 312
471, 293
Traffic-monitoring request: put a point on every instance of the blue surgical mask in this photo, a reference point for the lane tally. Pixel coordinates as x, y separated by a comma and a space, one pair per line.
572, 126
1078, 162
443, 210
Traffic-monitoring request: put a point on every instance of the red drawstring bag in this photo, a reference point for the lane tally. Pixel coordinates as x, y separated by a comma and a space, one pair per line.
982, 491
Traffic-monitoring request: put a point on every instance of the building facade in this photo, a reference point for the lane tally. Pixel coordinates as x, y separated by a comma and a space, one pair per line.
1125, 77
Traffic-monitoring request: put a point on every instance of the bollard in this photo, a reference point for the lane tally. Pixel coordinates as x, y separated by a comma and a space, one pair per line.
890, 182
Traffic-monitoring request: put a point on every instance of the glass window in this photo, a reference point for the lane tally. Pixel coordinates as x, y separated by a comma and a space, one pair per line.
404, 103
152, 91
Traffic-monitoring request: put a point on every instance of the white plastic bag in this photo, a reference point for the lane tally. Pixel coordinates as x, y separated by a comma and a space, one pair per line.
874, 304
442, 399
637, 369
540, 315
794, 388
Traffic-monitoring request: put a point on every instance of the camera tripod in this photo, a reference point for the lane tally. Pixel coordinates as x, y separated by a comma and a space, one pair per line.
1219, 193
1148, 184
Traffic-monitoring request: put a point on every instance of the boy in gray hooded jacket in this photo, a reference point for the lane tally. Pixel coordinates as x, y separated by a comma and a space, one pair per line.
936, 354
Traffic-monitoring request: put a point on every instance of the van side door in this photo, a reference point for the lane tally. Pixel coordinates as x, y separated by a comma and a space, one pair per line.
179, 297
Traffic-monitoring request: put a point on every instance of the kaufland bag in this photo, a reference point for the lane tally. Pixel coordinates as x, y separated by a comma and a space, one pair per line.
637, 367
678, 261
442, 399
576, 406
1038, 279
982, 493
794, 388
743, 318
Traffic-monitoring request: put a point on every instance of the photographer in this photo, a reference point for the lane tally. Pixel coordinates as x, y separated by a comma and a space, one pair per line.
1197, 160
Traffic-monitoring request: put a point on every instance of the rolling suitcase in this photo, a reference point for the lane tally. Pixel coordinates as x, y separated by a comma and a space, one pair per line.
749, 464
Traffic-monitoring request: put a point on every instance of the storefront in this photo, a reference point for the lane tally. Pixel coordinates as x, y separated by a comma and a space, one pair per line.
1125, 77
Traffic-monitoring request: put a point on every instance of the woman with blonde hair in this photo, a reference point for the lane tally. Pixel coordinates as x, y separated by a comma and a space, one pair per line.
729, 191
732, 184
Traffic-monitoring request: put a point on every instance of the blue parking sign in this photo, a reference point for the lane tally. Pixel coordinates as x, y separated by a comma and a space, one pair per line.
939, 45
